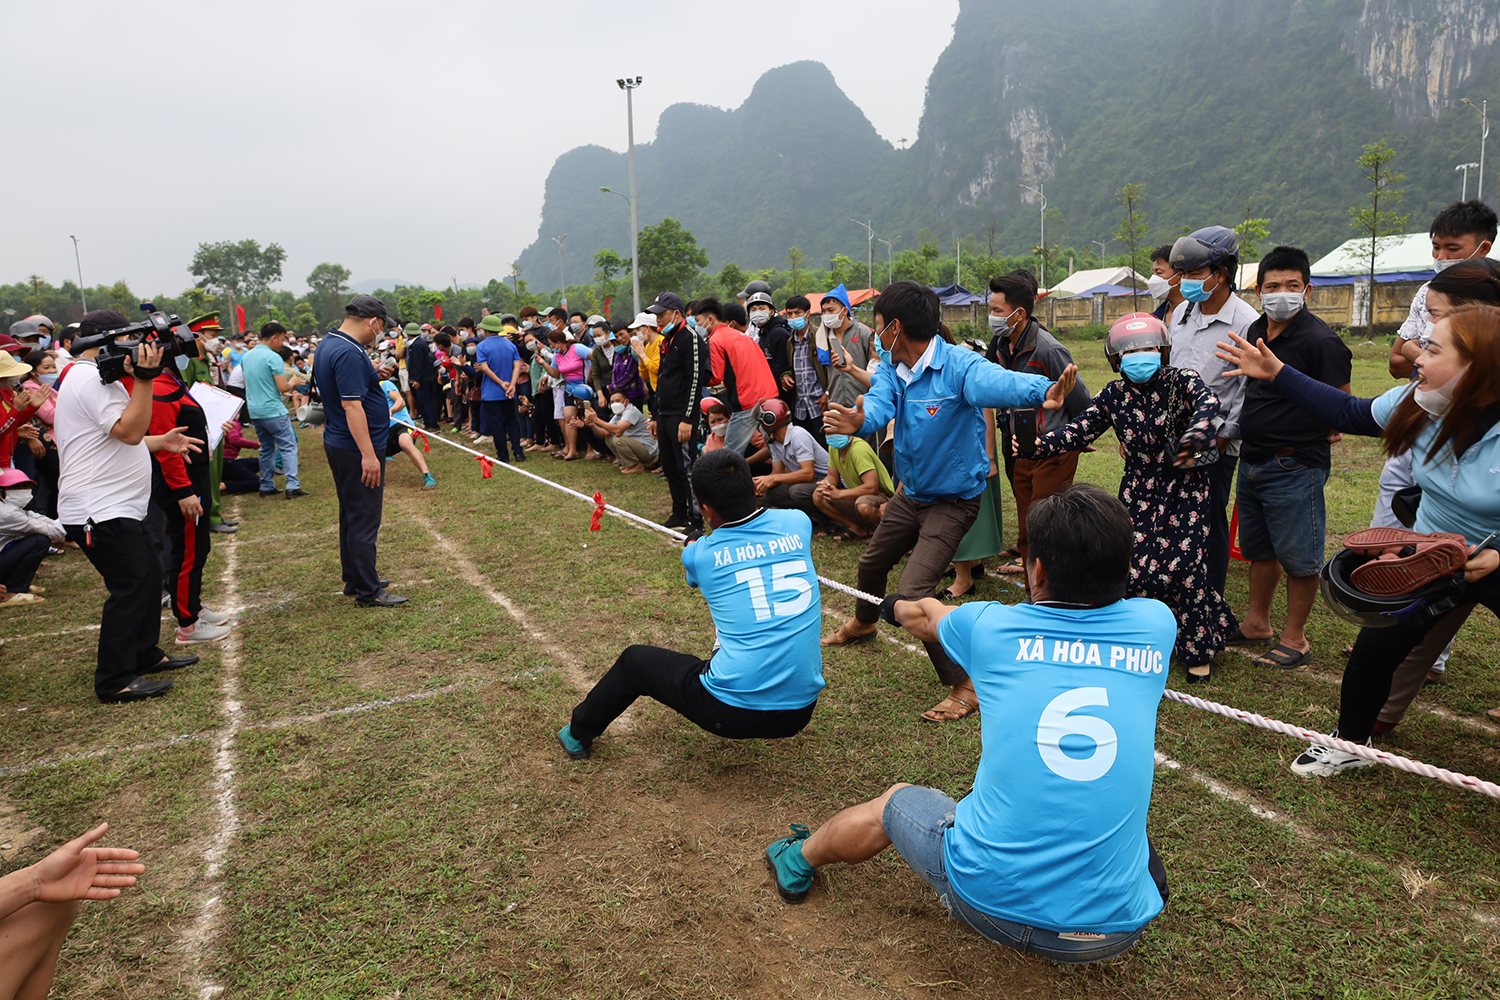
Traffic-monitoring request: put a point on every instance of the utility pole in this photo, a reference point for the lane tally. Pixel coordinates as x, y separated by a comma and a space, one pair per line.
1103, 246
85, 298
1041, 192
1466, 167
1484, 133
869, 249
958, 251
890, 274
629, 86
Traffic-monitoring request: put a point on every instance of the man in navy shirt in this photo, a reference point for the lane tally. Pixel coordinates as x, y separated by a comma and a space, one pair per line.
500, 368
756, 573
1048, 853
357, 418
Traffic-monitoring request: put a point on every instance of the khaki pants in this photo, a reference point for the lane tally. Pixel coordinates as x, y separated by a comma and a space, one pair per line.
1036, 479
1407, 683
629, 450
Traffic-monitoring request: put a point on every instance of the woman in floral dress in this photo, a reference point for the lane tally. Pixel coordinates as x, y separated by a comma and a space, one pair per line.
1164, 419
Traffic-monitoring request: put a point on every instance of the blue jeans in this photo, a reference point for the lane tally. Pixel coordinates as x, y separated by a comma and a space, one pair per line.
275, 434
741, 429
917, 818
1282, 518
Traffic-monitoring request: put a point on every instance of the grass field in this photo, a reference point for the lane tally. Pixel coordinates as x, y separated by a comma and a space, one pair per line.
340, 802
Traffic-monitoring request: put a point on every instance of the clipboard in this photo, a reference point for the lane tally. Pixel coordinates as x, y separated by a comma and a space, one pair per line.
218, 407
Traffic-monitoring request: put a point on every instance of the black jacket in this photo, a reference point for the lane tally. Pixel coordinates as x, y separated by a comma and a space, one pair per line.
683, 374
773, 338
419, 363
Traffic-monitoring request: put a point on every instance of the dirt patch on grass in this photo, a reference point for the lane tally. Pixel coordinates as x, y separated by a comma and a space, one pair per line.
16, 833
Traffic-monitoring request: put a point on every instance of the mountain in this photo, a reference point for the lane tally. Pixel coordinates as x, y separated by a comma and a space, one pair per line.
1223, 109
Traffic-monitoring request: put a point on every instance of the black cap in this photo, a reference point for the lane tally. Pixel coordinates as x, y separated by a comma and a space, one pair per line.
104, 319
366, 306
735, 313
664, 302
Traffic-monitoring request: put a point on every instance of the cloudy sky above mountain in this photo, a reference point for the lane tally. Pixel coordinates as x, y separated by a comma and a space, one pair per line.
401, 140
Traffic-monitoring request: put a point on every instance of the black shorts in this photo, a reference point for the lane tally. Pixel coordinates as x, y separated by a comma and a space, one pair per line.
393, 442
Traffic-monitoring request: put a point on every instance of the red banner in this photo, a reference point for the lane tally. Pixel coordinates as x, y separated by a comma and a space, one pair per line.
239, 311
486, 467
598, 511
437, 314
606, 306
425, 446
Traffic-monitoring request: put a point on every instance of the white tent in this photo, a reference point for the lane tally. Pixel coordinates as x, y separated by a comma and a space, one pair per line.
1082, 281
1410, 253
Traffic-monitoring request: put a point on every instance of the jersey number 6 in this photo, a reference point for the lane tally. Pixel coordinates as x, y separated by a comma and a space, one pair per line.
1056, 723
781, 583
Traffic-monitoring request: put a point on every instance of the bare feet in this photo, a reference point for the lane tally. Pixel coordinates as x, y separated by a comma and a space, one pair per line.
632, 469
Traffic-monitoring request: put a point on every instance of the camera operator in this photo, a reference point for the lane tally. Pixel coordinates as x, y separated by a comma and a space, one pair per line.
104, 490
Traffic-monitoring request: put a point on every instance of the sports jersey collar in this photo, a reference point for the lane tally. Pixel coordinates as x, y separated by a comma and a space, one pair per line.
744, 520
930, 359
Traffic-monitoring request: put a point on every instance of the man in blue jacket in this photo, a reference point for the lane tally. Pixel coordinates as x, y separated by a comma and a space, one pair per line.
937, 394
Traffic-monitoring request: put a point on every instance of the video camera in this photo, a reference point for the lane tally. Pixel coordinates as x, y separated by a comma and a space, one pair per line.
157, 328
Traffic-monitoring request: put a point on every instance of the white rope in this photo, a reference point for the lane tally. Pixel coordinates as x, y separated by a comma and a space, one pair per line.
1359, 750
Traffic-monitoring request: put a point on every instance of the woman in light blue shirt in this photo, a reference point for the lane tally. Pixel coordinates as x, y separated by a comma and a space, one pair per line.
1450, 420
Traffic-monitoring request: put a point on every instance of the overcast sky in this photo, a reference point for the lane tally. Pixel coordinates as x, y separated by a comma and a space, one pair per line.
402, 140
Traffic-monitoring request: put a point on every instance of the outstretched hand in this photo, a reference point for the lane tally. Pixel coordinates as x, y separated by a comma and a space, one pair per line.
1252, 360
77, 871
844, 419
1058, 391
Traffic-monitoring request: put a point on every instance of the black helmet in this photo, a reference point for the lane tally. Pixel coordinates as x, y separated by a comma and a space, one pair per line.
1213, 246
1134, 331
1369, 611
754, 287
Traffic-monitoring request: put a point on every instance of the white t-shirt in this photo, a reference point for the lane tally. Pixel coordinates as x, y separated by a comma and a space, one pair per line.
100, 477
800, 446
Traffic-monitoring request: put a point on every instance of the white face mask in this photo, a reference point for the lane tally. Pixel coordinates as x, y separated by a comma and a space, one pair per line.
617, 408
1437, 401
832, 320
18, 498
1442, 265
1002, 324
576, 327
720, 429
1159, 287
759, 317
1282, 306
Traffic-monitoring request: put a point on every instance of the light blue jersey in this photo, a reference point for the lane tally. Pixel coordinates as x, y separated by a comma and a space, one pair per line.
1054, 833
758, 578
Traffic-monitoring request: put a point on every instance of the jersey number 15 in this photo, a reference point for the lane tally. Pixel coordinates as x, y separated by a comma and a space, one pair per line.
782, 582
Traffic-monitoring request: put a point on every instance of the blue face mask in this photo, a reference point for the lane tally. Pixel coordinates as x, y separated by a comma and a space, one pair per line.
800, 323
1141, 366
669, 328
621, 348
880, 349
1193, 291
838, 440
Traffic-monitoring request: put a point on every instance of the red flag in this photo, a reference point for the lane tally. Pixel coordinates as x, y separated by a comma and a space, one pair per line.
486, 467
425, 446
437, 313
598, 511
240, 312
606, 306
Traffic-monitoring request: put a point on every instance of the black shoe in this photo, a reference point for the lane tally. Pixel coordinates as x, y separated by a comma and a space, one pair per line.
520, 457
383, 601
138, 690
171, 663
1193, 678
351, 592
298, 492
223, 528
693, 532
677, 521
268, 493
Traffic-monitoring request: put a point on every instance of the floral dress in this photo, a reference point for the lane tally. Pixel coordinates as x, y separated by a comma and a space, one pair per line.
1168, 506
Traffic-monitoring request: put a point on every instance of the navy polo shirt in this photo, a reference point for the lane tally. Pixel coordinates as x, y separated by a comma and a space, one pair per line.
343, 371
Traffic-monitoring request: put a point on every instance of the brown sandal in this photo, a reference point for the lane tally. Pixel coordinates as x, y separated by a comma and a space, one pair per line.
846, 636
963, 711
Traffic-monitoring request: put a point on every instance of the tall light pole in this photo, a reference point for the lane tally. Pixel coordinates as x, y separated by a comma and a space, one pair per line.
562, 289
869, 248
629, 86
1103, 246
958, 251
1484, 133
1041, 192
1466, 167
81, 269
890, 273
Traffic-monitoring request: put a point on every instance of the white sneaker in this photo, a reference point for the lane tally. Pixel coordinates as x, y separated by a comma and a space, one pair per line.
213, 617
202, 631
1318, 761
484, 439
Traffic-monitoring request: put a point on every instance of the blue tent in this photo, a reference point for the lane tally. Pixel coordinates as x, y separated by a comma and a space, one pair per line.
957, 295
1113, 291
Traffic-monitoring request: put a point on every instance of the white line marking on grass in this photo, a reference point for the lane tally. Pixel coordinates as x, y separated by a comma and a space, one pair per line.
1236, 795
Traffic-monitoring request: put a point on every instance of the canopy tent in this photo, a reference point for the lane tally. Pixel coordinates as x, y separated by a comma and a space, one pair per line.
957, 295
1081, 281
857, 296
1398, 258
1113, 291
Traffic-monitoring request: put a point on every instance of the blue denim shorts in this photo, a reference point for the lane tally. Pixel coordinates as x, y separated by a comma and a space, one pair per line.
1281, 514
916, 819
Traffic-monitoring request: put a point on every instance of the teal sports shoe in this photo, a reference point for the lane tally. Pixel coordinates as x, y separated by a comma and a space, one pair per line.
428, 480
790, 869
576, 749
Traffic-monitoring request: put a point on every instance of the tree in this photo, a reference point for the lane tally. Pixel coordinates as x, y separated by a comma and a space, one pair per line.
427, 300
796, 257
990, 229
1250, 232
1045, 253
1132, 232
733, 280
240, 270
1377, 221
35, 300
327, 285
670, 256
304, 318
607, 264
197, 299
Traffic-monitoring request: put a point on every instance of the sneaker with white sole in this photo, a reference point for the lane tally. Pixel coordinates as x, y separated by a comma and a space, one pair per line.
213, 617
1318, 761
202, 631
484, 439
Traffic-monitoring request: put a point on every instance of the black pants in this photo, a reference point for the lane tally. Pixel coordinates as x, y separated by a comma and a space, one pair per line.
359, 520
498, 420
130, 626
1220, 480
424, 393
19, 560
187, 550
675, 466
544, 429
676, 680
241, 475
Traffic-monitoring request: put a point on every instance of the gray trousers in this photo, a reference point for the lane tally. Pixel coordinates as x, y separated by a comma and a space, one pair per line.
629, 450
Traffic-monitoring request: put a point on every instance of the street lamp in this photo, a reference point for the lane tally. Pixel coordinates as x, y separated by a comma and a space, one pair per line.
1041, 192
890, 273
1484, 133
628, 85
562, 289
869, 248
1466, 167
1103, 246
81, 270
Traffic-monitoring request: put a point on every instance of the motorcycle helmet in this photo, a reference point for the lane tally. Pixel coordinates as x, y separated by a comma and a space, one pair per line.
1134, 331
1369, 611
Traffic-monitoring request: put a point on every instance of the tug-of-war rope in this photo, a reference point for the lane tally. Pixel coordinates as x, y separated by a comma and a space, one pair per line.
1447, 777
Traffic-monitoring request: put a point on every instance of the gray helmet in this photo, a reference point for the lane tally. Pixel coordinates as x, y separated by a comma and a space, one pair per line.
754, 288
1213, 246
759, 299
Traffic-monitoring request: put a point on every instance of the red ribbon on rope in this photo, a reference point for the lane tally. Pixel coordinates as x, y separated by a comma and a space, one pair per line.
425, 446
486, 467
598, 511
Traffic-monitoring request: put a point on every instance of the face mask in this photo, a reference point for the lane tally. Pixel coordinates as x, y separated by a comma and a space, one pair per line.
880, 349
1194, 291
472, 350
692, 322
838, 440
527, 325
621, 348
576, 327
759, 317
1141, 366
18, 498
531, 345
832, 320
1002, 324
800, 323
1281, 306
10, 383
719, 429
1437, 401
1443, 265
48, 379
601, 341
1159, 287
617, 408
181, 362
669, 327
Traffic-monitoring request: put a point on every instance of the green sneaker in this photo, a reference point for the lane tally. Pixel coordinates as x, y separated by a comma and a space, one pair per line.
792, 872
577, 749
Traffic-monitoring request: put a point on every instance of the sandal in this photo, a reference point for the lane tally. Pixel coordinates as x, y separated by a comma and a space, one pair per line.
16, 600
845, 636
1239, 638
1494, 714
1012, 567
1285, 657
962, 710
